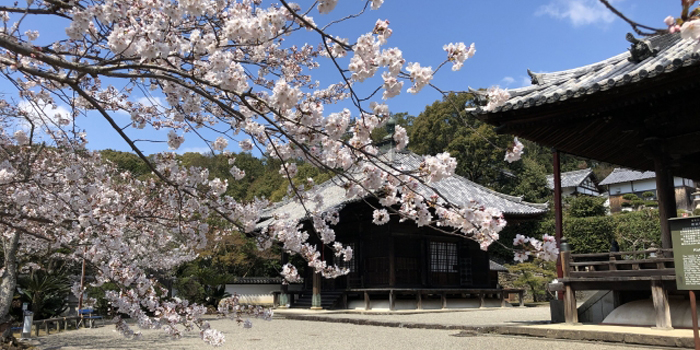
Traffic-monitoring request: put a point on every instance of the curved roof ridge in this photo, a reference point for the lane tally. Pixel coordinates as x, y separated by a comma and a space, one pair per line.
563, 75
671, 53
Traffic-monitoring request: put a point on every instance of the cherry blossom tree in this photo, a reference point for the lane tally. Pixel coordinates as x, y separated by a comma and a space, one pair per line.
226, 72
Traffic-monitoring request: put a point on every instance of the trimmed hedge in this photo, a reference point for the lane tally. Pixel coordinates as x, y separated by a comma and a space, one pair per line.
635, 230
589, 235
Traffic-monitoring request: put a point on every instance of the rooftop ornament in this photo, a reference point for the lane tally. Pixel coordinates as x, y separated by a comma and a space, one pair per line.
640, 49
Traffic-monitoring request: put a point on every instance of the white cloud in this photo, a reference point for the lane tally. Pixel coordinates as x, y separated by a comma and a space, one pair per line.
507, 81
151, 101
525, 81
579, 12
45, 115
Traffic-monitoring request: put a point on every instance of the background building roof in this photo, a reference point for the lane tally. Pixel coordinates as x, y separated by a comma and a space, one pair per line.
494, 266
456, 189
620, 175
570, 178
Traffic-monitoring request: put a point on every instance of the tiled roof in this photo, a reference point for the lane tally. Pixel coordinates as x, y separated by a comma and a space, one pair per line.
258, 280
494, 266
673, 53
570, 178
456, 189
620, 175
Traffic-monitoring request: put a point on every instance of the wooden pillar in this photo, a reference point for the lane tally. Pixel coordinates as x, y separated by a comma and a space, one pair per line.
661, 307
283, 298
521, 298
367, 301
392, 262
558, 223
425, 261
444, 300
392, 298
481, 299
666, 195
570, 310
316, 297
419, 301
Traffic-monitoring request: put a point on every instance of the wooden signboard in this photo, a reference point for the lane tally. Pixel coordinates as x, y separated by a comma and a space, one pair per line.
685, 233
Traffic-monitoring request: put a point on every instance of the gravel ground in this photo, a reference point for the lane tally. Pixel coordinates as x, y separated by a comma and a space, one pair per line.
290, 334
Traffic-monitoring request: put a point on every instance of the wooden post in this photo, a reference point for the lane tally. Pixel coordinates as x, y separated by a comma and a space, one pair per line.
282, 300
503, 298
419, 301
666, 196
392, 262
694, 315
444, 300
661, 307
570, 310
391, 300
316, 297
82, 286
558, 223
521, 297
481, 300
367, 305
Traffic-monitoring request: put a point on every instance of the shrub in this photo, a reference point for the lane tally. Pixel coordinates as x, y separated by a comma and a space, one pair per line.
637, 230
589, 235
630, 197
534, 276
586, 206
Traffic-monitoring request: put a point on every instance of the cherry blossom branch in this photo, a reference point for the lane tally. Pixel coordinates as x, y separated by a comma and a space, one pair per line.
637, 27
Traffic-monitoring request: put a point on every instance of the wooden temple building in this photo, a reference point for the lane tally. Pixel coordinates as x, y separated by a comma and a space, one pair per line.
635, 110
399, 260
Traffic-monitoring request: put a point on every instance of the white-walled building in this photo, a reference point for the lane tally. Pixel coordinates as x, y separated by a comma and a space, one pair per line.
576, 182
623, 181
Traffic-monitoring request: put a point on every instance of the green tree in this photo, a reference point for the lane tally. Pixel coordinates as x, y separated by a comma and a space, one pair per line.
532, 181
127, 161
444, 126
46, 292
585, 206
534, 276
637, 230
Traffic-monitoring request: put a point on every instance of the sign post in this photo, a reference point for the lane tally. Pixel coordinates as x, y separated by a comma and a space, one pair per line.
685, 233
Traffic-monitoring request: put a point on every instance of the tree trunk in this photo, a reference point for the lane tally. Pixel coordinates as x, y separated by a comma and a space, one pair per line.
8, 283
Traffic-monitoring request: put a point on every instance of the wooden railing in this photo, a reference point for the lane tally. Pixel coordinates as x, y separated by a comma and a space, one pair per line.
47, 323
644, 264
651, 268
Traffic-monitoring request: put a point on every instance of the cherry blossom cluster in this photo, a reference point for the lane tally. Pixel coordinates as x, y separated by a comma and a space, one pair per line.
688, 24
182, 70
545, 249
514, 153
458, 53
496, 98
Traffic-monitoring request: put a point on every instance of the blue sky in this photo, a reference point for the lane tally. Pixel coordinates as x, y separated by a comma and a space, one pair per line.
511, 36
